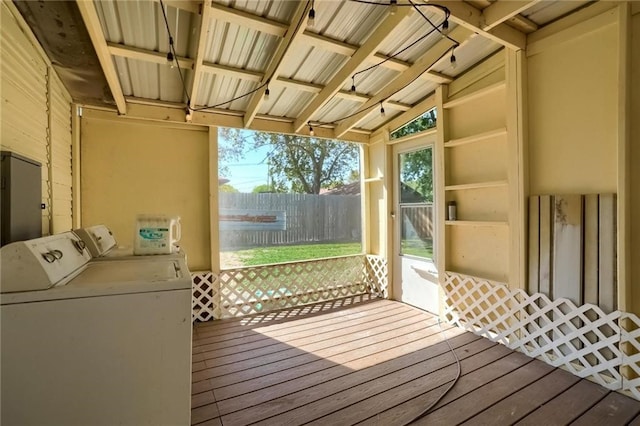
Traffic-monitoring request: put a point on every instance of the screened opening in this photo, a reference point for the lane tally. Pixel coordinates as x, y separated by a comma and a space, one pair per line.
426, 121
416, 203
285, 198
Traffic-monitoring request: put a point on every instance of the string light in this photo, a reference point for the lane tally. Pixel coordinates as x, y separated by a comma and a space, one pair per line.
445, 27
312, 15
187, 111
393, 6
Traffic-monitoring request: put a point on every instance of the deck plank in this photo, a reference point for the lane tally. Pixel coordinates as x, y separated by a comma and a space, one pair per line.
307, 312
296, 393
468, 382
523, 402
441, 370
411, 342
613, 409
379, 362
384, 338
281, 328
319, 338
262, 339
567, 406
315, 350
363, 409
474, 402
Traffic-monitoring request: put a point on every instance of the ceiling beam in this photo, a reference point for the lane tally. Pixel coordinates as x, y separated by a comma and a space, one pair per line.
310, 38
296, 27
365, 52
209, 67
166, 113
422, 65
116, 49
92, 23
468, 16
342, 48
246, 19
503, 10
202, 43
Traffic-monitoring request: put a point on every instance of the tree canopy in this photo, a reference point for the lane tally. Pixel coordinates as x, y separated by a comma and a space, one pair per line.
424, 122
417, 172
297, 163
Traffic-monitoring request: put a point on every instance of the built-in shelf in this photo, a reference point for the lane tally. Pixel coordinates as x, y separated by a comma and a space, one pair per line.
475, 95
476, 223
477, 185
476, 138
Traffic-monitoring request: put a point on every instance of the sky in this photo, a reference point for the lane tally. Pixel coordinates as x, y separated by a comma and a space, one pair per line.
248, 172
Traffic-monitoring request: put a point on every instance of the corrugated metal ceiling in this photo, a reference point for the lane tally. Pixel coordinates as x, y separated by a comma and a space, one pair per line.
249, 45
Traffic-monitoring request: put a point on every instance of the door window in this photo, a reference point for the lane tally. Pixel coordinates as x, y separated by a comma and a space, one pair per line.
417, 226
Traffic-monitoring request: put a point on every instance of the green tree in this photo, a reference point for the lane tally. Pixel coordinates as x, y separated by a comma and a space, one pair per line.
227, 188
297, 163
263, 188
424, 122
417, 172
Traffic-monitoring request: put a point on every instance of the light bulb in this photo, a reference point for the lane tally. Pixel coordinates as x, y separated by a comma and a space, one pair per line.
382, 112
454, 64
187, 116
312, 17
170, 59
266, 94
393, 6
445, 28
311, 132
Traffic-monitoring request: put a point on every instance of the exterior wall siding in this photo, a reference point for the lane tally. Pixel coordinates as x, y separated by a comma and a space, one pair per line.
36, 118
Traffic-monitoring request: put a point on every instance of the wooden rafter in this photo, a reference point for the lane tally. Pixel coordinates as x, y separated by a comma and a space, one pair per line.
468, 16
422, 65
366, 51
502, 11
202, 43
297, 25
92, 23
209, 67
310, 38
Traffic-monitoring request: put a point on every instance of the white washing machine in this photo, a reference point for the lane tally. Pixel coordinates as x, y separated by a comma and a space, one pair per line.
93, 343
103, 246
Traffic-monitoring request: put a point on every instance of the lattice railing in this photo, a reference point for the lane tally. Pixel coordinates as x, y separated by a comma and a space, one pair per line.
248, 290
582, 339
205, 300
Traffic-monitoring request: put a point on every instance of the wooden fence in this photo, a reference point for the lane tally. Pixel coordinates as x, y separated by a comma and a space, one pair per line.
308, 219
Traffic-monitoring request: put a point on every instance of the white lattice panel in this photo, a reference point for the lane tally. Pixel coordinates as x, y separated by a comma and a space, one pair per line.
631, 346
581, 339
376, 275
257, 289
205, 298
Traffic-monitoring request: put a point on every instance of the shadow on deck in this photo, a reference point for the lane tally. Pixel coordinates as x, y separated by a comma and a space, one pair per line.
379, 362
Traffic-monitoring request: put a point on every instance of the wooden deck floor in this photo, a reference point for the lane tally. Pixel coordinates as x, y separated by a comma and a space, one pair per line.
378, 362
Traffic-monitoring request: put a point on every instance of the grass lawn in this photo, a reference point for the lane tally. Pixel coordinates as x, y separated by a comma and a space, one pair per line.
418, 248
279, 254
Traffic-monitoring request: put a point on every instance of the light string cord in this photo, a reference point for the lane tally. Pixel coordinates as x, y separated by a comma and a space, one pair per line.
426, 410
266, 83
263, 85
172, 49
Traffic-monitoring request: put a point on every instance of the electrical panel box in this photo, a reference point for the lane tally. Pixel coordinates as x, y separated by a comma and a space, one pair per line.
21, 198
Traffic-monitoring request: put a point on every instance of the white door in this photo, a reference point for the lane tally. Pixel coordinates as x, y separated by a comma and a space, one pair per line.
415, 275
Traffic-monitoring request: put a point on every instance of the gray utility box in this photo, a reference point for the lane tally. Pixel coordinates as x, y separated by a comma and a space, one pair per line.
20, 202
